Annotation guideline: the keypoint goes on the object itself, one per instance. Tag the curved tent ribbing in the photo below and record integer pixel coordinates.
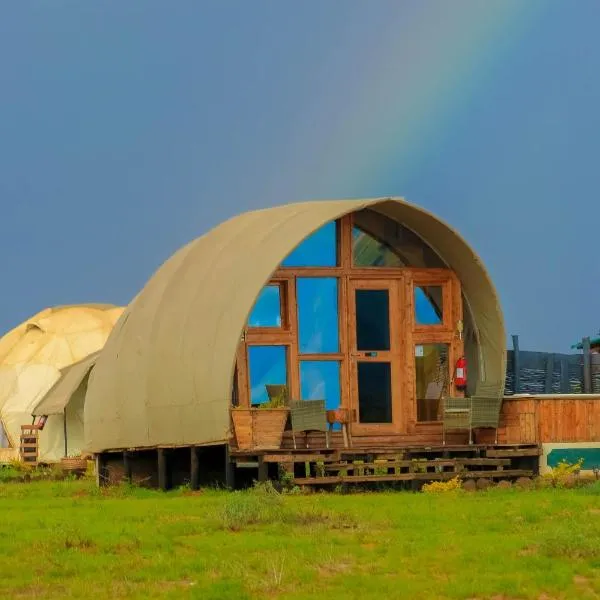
(165, 374)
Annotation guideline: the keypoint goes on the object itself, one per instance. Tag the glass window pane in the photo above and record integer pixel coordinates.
(318, 250)
(267, 366)
(370, 252)
(372, 320)
(318, 328)
(267, 308)
(429, 305)
(432, 374)
(374, 392)
(320, 380)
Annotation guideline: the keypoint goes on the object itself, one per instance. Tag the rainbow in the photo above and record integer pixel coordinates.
(407, 90)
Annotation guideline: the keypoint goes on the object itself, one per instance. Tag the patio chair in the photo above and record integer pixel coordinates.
(486, 406)
(481, 410)
(456, 415)
(308, 415)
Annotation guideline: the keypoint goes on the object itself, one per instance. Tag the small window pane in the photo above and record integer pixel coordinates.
(432, 373)
(429, 305)
(372, 320)
(370, 252)
(374, 392)
(318, 327)
(318, 250)
(267, 366)
(267, 308)
(320, 380)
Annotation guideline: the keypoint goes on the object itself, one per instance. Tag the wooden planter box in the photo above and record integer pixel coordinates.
(259, 427)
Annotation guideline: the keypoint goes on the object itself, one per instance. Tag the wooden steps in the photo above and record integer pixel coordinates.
(29, 444)
(332, 466)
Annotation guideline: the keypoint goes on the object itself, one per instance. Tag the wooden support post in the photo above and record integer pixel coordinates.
(565, 384)
(263, 469)
(101, 474)
(229, 470)
(549, 373)
(127, 466)
(194, 468)
(65, 432)
(162, 469)
(587, 366)
(516, 365)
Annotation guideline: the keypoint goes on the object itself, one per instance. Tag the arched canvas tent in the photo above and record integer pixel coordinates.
(165, 375)
(33, 357)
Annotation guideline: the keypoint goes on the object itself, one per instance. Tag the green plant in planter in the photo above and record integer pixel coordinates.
(277, 402)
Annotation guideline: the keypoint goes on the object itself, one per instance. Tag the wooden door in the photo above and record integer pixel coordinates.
(374, 341)
(434, 313)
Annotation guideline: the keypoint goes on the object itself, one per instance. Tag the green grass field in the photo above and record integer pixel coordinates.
(70, 540)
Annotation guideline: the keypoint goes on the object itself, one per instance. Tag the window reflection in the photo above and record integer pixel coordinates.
(267, 308)
(370, 252)
(372, 320)
(267, 366)
(429, 305)
(320, 380)
(375, 392)
(432, 375)
(318, 250)
(317, 299)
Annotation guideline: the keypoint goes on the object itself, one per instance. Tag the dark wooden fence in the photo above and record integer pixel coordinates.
(546, 373)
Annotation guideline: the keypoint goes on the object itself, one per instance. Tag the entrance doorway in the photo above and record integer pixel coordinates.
(404, 338)
(374, 339)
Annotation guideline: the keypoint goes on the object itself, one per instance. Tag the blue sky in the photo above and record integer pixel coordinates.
(129, 128)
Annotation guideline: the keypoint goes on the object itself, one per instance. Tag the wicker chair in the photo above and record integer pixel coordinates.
(480, 410)
(456, 414)
(486, 406)
(308, 415)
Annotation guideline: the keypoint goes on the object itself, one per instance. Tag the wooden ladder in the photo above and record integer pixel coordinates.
(29, 446)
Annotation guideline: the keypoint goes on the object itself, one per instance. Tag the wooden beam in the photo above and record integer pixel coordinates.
(516, 365)
(493, 453)
(162, 469)
(101, 478)
(229, 470)
(194, 469)
(263, 471)
(587, 366)
(127, 466)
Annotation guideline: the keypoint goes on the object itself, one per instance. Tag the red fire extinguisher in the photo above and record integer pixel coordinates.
(460, 375)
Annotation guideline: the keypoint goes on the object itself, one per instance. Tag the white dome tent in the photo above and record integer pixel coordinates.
(33, 358)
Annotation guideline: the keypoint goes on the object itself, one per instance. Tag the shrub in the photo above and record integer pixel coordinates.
(563, 474)
(435, 487)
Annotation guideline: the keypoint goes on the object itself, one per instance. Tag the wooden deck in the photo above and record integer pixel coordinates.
(417, 463)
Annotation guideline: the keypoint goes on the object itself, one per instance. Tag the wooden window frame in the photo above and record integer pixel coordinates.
(412, 334)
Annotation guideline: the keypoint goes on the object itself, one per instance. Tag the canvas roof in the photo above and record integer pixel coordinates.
(59, 395)
(165, 374)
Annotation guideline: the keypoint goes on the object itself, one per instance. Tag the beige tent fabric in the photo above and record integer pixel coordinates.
(60, 394)
(165, 374)
(32, 357)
